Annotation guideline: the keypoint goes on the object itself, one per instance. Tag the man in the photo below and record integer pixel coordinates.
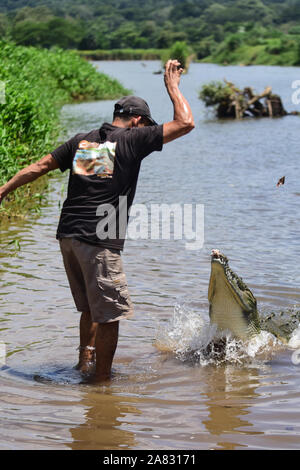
(104, 166)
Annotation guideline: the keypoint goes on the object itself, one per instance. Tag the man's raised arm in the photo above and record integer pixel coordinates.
(28, 174)
(183, 121)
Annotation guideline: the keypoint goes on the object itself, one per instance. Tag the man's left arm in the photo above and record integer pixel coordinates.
(29, 174)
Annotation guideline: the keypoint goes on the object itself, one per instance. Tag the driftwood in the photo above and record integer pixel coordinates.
(232, 102)
(245, 103)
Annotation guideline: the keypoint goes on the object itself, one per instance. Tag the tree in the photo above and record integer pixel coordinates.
(58, 32)
(37, 14)
(4, 26)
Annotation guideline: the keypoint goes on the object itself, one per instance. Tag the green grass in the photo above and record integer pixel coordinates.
(37, 83)
(283, 50)
(123, 54)
(264, 53)
(181, 52)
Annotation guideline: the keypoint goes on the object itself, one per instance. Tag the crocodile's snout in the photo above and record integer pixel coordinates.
(215, 254)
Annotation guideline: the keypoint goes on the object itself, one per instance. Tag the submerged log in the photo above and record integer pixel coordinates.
(231, 102)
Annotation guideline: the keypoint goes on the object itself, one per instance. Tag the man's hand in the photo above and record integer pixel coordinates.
(172, 74)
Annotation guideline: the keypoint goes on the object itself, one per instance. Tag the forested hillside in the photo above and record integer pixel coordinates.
(214, 29)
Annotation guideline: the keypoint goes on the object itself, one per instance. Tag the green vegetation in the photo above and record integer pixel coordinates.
(37, 83)
(180, 51)
(123, 54)
(214, 93)
(258, 46)
(223, 31)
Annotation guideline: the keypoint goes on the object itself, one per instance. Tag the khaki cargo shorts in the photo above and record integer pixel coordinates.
(97, 280)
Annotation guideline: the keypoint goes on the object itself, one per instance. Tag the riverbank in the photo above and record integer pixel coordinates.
(36, 83)
(252, 55)
(245, 54)
(123, 54)
(244, 47)
(240, 49)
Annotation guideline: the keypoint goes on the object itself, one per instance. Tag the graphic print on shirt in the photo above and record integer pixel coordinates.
(92, 158)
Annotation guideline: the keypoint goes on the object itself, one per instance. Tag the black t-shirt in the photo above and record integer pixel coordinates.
(104, 166)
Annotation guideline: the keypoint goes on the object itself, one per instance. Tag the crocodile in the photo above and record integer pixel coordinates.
(232, 306)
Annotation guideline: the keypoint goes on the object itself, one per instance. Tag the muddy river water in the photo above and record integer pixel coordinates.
(158, 399)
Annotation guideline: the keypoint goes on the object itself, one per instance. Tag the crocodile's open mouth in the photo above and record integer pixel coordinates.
(227, 276)
(232, 305)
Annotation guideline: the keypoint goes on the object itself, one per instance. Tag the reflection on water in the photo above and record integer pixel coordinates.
(229, 404)
(157, 400)
(106, 418)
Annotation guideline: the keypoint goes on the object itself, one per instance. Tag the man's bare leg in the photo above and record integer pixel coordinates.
(106, 344)
(88, 330)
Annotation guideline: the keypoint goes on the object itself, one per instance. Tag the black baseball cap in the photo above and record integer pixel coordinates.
(133, 105)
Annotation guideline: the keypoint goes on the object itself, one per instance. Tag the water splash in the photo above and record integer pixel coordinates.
(191, 337)
(294, 341)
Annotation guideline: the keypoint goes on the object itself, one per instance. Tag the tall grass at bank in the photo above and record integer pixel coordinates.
(181, 51)
(247, 49)
(37, 83)
(123, 54)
